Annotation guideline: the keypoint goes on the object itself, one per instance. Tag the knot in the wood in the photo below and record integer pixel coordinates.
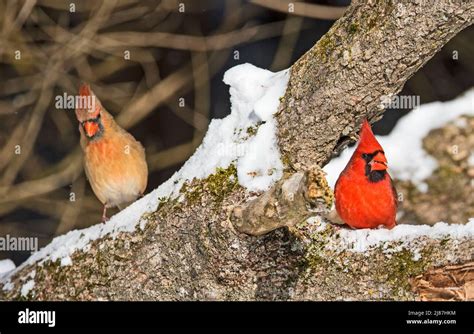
(290, 201)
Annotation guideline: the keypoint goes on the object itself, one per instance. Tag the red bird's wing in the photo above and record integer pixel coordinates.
(394, 191)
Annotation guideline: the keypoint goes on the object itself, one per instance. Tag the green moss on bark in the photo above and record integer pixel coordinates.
(218, 185)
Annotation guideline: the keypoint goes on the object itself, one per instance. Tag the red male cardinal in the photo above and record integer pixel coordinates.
(365, 195)
(113, 160)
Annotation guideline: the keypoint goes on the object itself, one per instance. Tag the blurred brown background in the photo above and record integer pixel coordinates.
(144, 60)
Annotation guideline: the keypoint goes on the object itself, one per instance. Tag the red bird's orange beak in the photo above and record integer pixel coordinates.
(378, 162)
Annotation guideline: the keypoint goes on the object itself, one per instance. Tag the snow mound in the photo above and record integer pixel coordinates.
(362, 240)
(6, 266)
(254, 96)
(407, 160)
(365, 239)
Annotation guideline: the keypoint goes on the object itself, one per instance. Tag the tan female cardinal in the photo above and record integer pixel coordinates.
(365, 195)
(113, 160)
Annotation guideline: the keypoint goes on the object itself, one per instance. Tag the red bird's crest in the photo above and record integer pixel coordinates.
(367, 141)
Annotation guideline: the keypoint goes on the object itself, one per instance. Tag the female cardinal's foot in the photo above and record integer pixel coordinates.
(104, 216)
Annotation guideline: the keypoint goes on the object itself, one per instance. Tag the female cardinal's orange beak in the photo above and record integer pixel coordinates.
(378, 162)
(91, 128)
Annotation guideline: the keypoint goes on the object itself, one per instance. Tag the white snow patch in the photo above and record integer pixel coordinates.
(259, 166)
(416, 255)
(407, 160)
(66, 261)
(8, 286)
(26, 288)
(422, 187)
(255, 95)
(470, 159)
(366, 239)
(6, 266)
(460, 122)
(317, 221)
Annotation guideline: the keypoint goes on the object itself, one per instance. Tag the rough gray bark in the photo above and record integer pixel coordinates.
(193, 249)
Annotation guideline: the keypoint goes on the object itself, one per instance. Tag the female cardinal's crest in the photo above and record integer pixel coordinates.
(87, 105)
(88, 112)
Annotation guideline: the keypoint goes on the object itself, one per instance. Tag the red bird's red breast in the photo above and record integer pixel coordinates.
(365, 196)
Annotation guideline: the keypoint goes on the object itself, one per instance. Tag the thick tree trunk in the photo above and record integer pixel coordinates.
(202, 247)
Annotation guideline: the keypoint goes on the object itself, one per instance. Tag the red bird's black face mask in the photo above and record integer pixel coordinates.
(375, 165)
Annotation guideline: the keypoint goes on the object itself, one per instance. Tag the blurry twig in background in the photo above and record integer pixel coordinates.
(303, 9)
(189, 42)
(71, 212)
(67, 170)
(287, 42)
